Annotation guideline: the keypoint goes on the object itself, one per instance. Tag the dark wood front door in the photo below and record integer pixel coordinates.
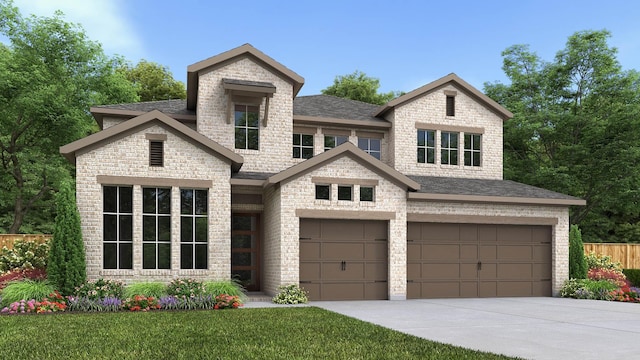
(245, 249)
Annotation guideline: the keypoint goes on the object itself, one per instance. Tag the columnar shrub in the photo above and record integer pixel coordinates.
(67, 269)
(577, 263)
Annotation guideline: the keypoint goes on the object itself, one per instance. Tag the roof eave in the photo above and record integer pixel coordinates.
(317, 120)
(495, 199)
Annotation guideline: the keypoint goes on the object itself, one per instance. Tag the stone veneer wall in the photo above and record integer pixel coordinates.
(560, 231)
(274, 152)
(128, 157)
(272, 244)
(431, 109)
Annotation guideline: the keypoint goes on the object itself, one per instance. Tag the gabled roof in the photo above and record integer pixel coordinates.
(176, 108)
(352, 151)
(322, 109)
(487, 190)
(221, 59)
(144, 121)
(434, 85)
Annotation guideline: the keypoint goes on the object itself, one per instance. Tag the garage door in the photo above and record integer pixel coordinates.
(343, 259)
(477, 260)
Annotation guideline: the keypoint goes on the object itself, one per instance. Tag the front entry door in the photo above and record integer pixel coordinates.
(245, 249)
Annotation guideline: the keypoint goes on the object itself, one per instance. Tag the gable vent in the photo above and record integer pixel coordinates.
(156, 153)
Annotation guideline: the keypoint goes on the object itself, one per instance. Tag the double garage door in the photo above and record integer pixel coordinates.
(476, 260)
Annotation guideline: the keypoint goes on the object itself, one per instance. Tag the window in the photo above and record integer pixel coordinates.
(449, 148)
(247, 126)
(194, 228)
(323, 192)
(117, 236)
(451, 105)
(472, 149)
(366, 193)
(331, 141)
(156, 228)
(156, 153)
(302, 146)
(426, 146)
(370, 146)
(345, 192)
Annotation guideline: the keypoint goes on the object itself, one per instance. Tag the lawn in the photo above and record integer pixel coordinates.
(270, 333)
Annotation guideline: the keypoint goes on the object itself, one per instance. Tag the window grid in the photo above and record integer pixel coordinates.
(302, 146)
(472, 149)
(426, 146)
(370, 146)
(449, 148)
(331, 141)
(156, 228)
(194, 227)
(247, 127)
(117, 252)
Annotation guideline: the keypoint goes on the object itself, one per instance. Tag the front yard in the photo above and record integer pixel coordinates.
(271, 333)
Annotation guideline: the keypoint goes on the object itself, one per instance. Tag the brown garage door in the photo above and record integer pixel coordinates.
(343, 259)
(469, 260)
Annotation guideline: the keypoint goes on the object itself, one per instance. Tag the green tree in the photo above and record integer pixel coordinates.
(359, 86)
(153, 81)
(577, 263)
(576, 130)
(50, 74)
(66, 268)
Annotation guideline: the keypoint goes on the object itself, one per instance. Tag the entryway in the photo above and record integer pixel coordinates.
(245, 249)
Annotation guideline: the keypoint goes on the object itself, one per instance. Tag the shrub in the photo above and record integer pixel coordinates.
(25, 255)
(290, 294)
(577, 263)
(172, 302)
(155, 289)
(588, 289)
(15, 275)
(87, 304)
(229, 287)
(225, 301)
(141, 303)
(26, 289)
(66, 268)
(614, 276)
(602, 262)
(100, 289)
(185, 288)
(633, 275)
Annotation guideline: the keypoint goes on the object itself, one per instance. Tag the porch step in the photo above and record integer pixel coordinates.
(258, 297)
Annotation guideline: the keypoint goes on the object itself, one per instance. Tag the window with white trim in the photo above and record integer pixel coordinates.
(449, 148)
(117, 227)
(247, 126)
(302, 146)
(194, 228)
(156, 228)
(426, 146)
(472, 149)
(370, 146)
(331, 141)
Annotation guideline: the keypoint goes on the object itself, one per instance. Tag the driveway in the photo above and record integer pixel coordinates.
(531, 328)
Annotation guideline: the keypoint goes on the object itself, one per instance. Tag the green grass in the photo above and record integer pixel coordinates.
(25, 289)
(228, 287)
(155, 289)
(270, 333)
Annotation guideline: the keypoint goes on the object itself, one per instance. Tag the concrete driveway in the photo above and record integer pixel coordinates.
(531, 328)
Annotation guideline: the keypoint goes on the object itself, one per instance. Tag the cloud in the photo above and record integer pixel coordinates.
(104, 21)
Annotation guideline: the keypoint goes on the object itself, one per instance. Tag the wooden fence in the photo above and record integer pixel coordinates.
(8, 239)
(626, 254)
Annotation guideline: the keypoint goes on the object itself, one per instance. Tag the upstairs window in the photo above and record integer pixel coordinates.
(345, 192)
(370, 146)
(472, 149)
(323, 192)
(367, 193)
(331, 141)
(449, 148)
(302, 146)
(426, 146)
(451, 105)
(247, 126)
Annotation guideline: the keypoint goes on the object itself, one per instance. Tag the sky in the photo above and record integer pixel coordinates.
(405, 44)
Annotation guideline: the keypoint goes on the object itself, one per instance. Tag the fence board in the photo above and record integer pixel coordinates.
(626, 254)
(8, 239)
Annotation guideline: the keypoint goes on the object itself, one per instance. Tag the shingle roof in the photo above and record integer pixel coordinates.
(249, 175)
(334, 107)
(178, 106)
(248, 83)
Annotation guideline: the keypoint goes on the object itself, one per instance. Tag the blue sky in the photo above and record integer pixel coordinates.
(405, 44)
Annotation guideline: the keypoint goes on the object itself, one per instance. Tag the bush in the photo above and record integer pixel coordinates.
(100, 289)
(633, 275)
(172, 302)
(26, 290)
(99, 305)
(225, 301)
(602, 262)
(141, 303)
(15, 275)
(185, 288)
(155, 289)
(291, 294)
(25, 255)
(588, 289)
(228, 287)
(614, 276)
(577, 263)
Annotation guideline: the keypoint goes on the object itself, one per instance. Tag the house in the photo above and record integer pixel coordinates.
(350, 200)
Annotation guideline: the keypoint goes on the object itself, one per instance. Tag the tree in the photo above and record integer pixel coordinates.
(577, 263)
(50, 74)
(153, 81)
(359, 86)
(66, 267)
(576, 130)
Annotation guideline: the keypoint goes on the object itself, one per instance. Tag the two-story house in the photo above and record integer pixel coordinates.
(350, 200)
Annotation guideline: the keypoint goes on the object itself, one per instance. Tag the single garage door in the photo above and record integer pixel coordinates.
(343, 259)
(477, 260)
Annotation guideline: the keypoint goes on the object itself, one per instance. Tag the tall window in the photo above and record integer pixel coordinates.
(117, 224)
(472, 149)
(331, 141)
(426, 146)
(370, 146)
(193, 229)
(302, 146)
(156, 228)
(449, 148)
(247, 126)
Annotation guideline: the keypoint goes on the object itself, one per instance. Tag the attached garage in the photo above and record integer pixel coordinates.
(344, 259)
(477, 260)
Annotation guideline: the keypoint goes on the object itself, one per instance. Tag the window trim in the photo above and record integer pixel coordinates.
(156, 242)
(368, 149)
(350, 188)
(373, 193)
(301, 146)
(470, 151)
(118, 241)
(246, 128)
(426, 147)
(193, 241)
(335, 141)
(318, 186)
(450, 149)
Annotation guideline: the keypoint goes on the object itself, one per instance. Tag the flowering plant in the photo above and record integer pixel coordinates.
(224, 301)
(20, 307)
(615, 276)
(24, 255)
(141, 303)
(291, 294)
(53, 303)
(100, 289)
(185, 288)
